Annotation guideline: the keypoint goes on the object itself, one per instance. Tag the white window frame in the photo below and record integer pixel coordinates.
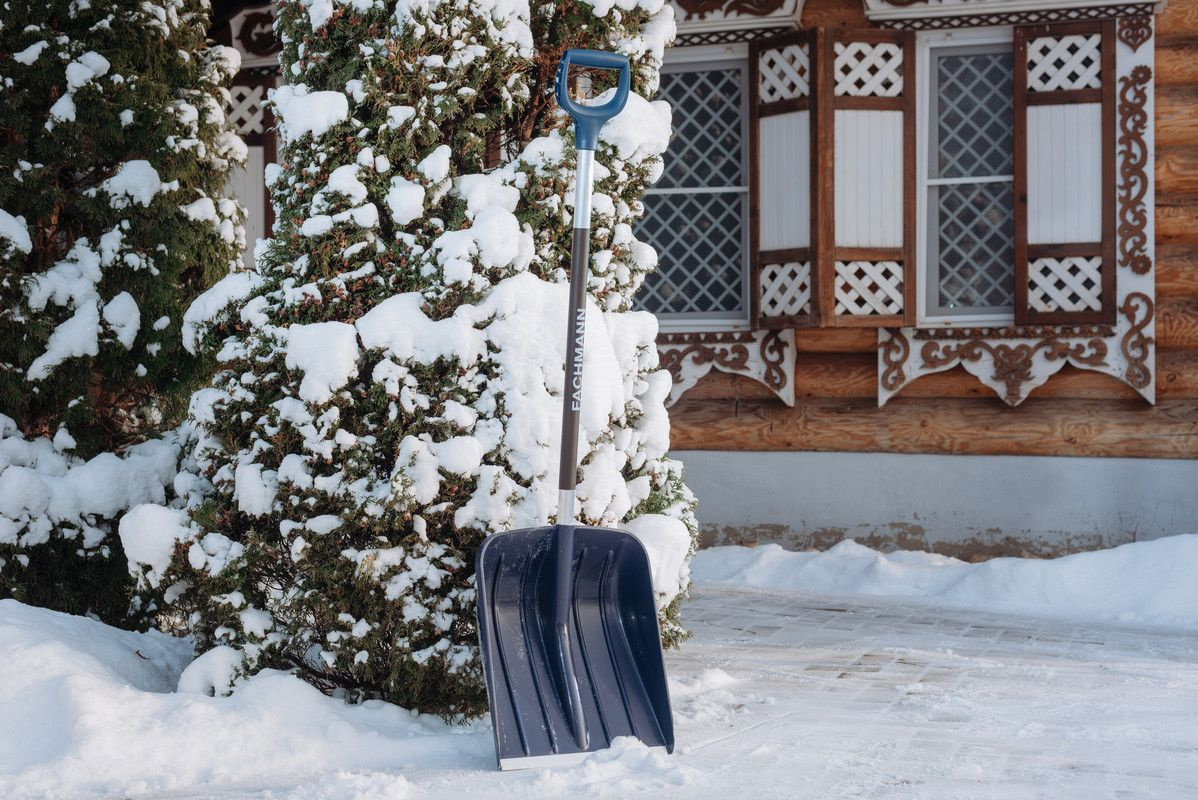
(925, 43)
(679, 59)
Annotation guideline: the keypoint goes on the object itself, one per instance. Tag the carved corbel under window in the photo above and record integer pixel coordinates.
(765, 356)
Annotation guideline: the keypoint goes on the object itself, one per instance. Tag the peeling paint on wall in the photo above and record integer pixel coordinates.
(991, 543)
(967, 507)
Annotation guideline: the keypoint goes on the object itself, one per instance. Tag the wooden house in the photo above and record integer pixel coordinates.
(928, 268)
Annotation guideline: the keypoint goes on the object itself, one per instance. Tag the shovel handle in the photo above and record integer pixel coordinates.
(589, 119)
(587, 122)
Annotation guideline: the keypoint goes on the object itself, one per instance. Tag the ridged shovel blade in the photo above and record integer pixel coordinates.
(615, 645)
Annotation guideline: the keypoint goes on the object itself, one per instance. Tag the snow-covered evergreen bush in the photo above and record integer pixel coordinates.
(391, 373)
(114, 152)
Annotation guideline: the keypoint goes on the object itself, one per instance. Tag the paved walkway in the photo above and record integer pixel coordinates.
(805, 698)
(857, 699)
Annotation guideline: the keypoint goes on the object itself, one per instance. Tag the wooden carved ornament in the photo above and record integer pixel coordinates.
(1133, 172)
(1014, 362)
(1139, 310)
(697, 9)
(257, 34)
(1134, 31)
(766, 356)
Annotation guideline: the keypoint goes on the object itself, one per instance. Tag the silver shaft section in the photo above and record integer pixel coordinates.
(565, 507)
(583, 176)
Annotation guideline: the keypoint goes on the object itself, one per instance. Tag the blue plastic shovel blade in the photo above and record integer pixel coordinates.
(615, 646)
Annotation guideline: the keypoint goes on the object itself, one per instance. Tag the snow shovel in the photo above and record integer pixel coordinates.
(567, 623)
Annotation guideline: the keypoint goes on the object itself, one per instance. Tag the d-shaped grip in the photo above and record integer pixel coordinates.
(589, 119)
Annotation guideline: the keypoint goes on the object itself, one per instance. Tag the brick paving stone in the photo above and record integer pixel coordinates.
(881, 699)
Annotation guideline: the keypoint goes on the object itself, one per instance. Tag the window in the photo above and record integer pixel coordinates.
(966, 169)
(993, 178)
(696, 215)
(959, 177)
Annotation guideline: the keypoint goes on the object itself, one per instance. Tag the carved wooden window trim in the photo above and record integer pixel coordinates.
(251, 32)
(708, 16)
(937, 14)
(690, 349)
(1119, 340)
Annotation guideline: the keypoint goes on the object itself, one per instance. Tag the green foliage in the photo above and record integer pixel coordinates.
(328, 537)
(57, 577)
(91, 305)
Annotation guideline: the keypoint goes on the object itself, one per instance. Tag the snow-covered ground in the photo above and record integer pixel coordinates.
(792, 690)
(1153, 583)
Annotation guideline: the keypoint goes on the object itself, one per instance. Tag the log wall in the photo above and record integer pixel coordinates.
(1075, 413)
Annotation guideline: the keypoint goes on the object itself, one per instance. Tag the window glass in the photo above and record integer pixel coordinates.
(696, 214)
(970, 203)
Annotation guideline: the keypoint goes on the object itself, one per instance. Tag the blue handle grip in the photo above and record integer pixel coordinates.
(589, 119)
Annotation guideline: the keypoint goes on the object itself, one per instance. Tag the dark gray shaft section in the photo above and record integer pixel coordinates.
(563, 588)
(576, 323)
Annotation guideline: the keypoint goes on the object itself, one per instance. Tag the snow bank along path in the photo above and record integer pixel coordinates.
(91, 711)
(1144, 583)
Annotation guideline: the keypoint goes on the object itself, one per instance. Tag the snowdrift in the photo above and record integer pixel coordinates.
(1144, 583)
(92, 711)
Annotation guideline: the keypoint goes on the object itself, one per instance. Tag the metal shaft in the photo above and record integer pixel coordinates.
(576, 322)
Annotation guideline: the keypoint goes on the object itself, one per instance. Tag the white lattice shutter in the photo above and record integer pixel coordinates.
(253, 121)
(1064, 118)
(866, 225)
(781, 78)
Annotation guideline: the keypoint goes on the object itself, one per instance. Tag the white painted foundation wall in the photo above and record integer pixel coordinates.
(966, 506)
